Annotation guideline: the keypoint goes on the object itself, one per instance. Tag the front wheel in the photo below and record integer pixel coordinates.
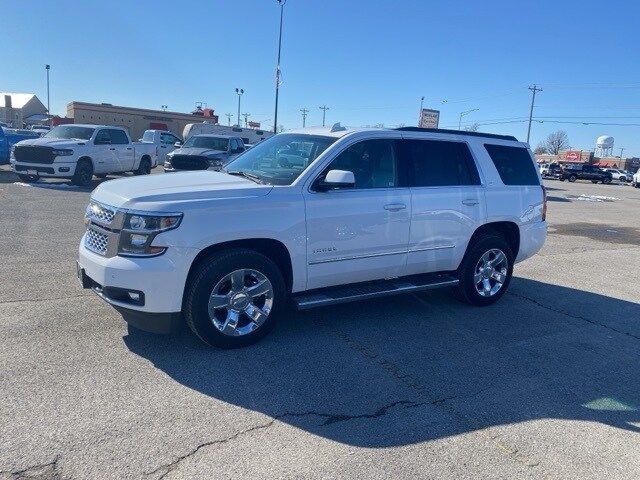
(485, 272)
(572, 178)
(606, 180)
(83, 174)
(233, 298)
(144, 168)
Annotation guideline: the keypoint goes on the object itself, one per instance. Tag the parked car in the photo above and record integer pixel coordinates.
(584, 172)
(164, 141)
(358, 218)
(203, 152)
(79, 152)
(619, 175)
(550, 170)
(8, 138)
(40, 129)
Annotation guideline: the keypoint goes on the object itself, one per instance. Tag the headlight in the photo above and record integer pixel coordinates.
(63, 152)
(139, 231)
(12, 153)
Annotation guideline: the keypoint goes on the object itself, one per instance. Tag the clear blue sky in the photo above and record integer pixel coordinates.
(370, 61)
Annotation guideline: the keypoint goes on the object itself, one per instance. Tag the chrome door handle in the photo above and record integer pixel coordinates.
(395, 207)
(470, 202)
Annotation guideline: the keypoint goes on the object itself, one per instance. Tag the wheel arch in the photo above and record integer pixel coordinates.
(509, 230)
(273, 249)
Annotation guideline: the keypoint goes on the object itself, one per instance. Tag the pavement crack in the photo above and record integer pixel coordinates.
(48, 471)
(574, 316)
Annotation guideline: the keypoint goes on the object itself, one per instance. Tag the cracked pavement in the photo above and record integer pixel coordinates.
(542, 385)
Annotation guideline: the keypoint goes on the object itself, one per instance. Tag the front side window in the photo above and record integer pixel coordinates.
(102, 137)
(373, 163)
(437, 163)
(280, 159)
(514, 164)
(118, 137)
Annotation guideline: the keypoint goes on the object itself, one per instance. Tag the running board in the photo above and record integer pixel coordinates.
(366, 290)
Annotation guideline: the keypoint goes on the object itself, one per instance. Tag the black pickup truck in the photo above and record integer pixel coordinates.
(584, 172)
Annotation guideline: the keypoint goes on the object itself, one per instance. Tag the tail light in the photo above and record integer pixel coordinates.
(544, 203)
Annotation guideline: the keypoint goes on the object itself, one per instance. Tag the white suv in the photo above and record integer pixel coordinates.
(310, 218)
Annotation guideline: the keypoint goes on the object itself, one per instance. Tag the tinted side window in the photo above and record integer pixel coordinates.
(167, 138)
(514, 164)
(373, 163)
(118, 137)
(434, 163)
(102, 137)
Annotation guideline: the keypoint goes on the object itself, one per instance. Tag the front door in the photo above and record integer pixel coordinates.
(360, 233)
(125, 155)
(447, 200)
(104, 154)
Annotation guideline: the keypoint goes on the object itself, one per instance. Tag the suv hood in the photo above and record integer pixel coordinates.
(197, 151)
(53, 142)
(161, 192)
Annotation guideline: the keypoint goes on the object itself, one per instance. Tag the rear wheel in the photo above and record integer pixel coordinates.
(144, 168)
(606, 180)
(83, 174)
(594, 181)
(572, 178)
(485, 272)
(234, 298)
(28, 178)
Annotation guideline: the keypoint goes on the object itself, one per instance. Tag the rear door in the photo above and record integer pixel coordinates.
(359, 233)
(124, 150)
(447, 202)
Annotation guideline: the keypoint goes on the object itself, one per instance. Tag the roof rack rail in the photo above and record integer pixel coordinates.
(457, 132)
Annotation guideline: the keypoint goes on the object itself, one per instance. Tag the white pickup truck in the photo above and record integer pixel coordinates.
(165, 142)
(353, 214)
(79, 152)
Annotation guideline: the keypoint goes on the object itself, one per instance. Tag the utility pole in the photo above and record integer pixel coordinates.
(47, 68)
(621, 150)
(304, 116)
(246, 119)
(239, 91)
(534, 89)
(462, 114)
(420, 112)
(229, 115)
(275, 117)
(324, 109)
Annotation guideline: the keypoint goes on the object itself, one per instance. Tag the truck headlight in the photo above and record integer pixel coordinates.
(139, 231)
(62, 152)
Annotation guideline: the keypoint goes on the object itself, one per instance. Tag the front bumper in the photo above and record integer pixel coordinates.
(160, 280)
(50, 170)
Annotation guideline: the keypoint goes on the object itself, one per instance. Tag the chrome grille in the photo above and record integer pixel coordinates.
(96, 241)
(100, 213)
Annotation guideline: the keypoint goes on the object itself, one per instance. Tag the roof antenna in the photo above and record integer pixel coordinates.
(337, 128)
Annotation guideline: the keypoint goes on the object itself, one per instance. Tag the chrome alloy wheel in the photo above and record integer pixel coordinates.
(491, 272)
(241, 302)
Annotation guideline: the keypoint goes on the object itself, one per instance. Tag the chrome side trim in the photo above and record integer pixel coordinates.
(319, 299)
(373, 255)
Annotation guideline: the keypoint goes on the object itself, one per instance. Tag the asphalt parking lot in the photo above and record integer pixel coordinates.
(543, 384)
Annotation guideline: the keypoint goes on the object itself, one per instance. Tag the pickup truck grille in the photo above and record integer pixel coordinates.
(96, 242)
(32, 154)
(189, 162)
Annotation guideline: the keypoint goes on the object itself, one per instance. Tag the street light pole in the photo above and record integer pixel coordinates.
(229, 115)
(304, 112)
(239, 91)
(47, 68)
(462, 114)
(275, 116)
(246, 117)
(420, 112)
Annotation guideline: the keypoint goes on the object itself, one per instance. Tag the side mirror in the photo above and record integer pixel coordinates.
(177, 144)
(337, 179)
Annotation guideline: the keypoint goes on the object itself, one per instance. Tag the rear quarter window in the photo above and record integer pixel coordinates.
(514, 164)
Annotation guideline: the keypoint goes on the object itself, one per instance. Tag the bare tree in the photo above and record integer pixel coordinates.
(556, 141)
(473, 127)
(541, 148)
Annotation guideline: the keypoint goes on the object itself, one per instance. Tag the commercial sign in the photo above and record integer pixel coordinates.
(573, 155)
(429, 118)
(254, 124)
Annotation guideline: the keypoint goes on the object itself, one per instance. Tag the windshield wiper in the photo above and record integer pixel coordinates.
(250, 176)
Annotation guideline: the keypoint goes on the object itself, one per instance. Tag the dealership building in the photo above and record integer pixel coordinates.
(136, 120)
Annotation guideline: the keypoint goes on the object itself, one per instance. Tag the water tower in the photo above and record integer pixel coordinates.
(604, 146)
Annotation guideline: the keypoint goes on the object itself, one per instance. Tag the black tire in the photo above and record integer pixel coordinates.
(28, 178)
(83, 174)
(206, 276)
(144, 168)
(101, 176)
(606, 180)
(466, 289)
(572, 178)
(594, 181)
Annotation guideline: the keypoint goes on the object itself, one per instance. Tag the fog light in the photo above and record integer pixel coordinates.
(138, 240)
(135, 296)
(63, 169)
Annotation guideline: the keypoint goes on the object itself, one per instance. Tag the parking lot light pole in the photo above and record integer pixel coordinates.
(47, 68)
(462, 114)
(239, 91)
(275, 117)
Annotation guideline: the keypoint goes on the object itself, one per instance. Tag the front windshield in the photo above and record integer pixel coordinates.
(70, 131)
(213, 143)
(280, 159)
